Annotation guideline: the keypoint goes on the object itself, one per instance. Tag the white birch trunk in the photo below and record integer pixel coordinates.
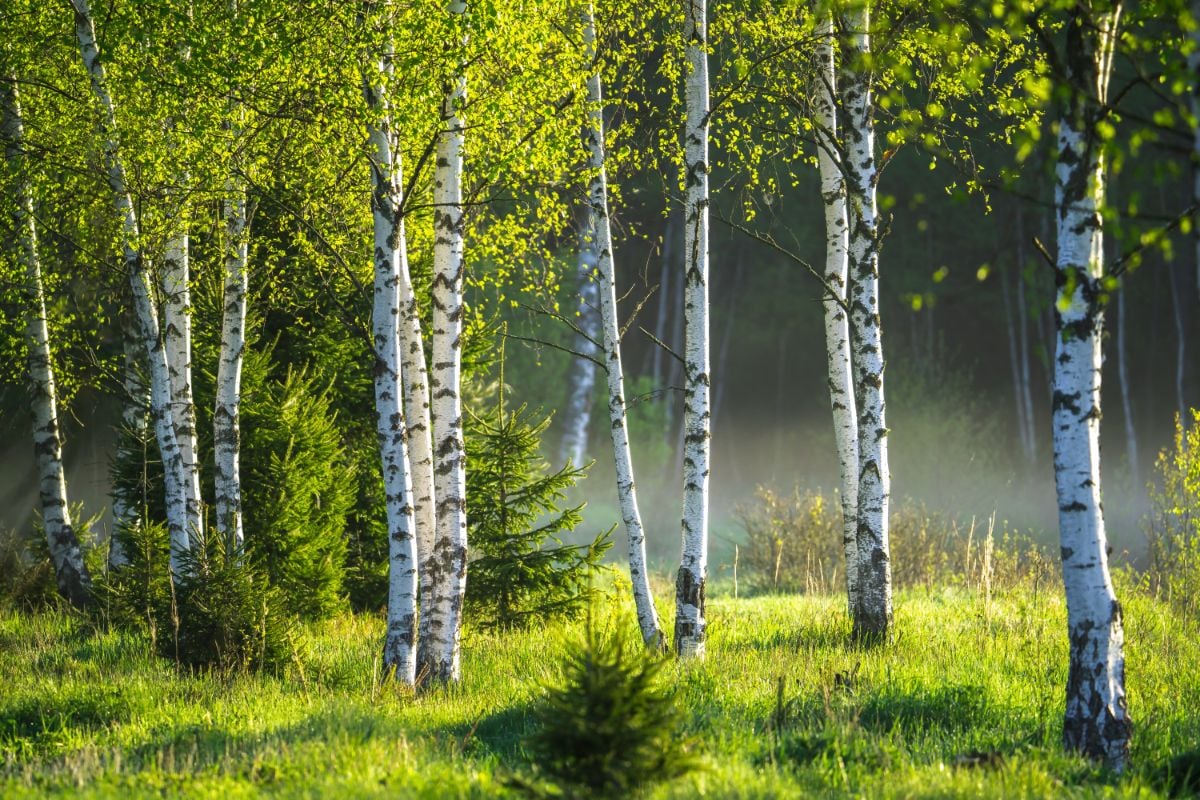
(142, 286)
(177, 335)
(690, 623)
(1096, 723)
(448, 568)
(639, 576)
(581, 377)
(399, 650)
(837, 322)
(227, 434)
(873, 610)
(70, 572)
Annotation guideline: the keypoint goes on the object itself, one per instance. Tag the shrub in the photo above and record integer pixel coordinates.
(223, 614)
(522, 572)
(794, 543)
(1173, 527)
(611, 728)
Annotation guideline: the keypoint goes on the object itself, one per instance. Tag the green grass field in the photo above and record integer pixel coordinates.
(966, 703)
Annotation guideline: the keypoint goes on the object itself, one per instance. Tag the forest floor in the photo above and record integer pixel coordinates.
(966, 702)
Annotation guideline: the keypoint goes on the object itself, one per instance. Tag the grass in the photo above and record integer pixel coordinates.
(966, 703)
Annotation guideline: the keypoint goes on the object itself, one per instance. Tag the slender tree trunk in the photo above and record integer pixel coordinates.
(449, 557)
(873, 611)
(399, 650)
(837, 322)
(734, 293)
(1131, 445)
(1014, 361)
(662, 317)
(581, 377)
(639, 576)
(227, 435)
(1096, 722)
(70, 571)
(142, 284)
(690, 623)
(1173, 284)
(177, 336)
(1023, 340)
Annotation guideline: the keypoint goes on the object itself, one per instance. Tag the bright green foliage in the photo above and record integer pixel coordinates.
(1174, 522)
(521, 573)
(612, 727)
(298, 488)
(91, 713)
(223, 614)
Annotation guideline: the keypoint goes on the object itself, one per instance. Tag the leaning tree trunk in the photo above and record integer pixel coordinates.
(399, 649)
(690, 624)
(1096, 722)
(449, 556)
(581, 377)
(177, 336)
(837, 322)
(141, 283)
(639, 576)
(873, 610)
(70, 571)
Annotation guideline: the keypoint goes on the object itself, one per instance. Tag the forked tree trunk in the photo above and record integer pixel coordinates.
(142, 285)
(837, 321)
(652, 633)
(227, 434)
(70, 572)
(449, 558)
(690, 622)
(1096, 722)
(399, 649)
(873, 609)
(581, 377)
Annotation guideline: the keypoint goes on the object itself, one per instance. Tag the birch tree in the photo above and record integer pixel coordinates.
(837, 322)
(652, 633)
(400, 653)
(690, 623)
(873, 607)
(1096, 722)
(449, 554)
(142, 285)
(70, 572)
(581, 376)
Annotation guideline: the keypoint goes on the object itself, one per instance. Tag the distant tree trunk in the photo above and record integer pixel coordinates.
(873, 611)
(177, 336)
(690, 623)
(135, 408)
(1096, 722)
(732, 297)
(142, 284)
(662, 317)
(227, 435)
(837, 322)
(1131, 445)
(581, 377)
(1193, 61)
(1173, 284)
(449, 557)
(399, 650)
(1023, 340)
(1014, 360)
(70, 572)
(639, 575)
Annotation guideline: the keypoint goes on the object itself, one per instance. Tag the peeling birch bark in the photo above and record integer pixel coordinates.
(448, 567)
(873, 609)
(1096, 722)
(70, 572)
(177, 341)
(837, 321)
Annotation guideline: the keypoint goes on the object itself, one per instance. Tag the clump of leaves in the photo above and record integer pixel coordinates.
(611, 728)
(523, 572)
(1174, 523)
